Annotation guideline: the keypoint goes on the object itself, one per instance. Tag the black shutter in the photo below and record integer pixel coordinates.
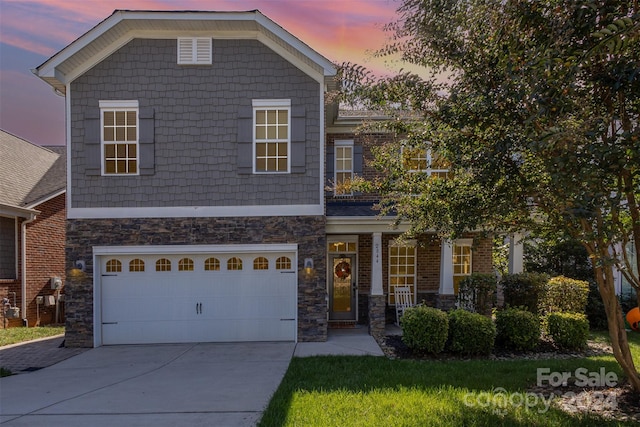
(357, 163)
(146, 141)
(93, 155)
(245, 140)
(298, 139)
(329, 169)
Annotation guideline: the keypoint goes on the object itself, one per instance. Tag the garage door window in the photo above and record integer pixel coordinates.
(261, 263)
(212, 264)
(234, 264)
(185, 264)
(136, 265)
(163, 264)
(283, 263)
(114, 266)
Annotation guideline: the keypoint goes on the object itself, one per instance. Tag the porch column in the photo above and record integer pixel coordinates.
(377, 301)
(446, 296)
(516, 253)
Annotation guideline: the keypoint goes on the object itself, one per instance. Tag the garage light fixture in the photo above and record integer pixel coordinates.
(309, 271)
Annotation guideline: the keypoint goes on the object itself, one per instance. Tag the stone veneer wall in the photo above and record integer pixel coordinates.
(83, 234)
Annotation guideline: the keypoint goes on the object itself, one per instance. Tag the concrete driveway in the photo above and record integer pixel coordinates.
(159, 385)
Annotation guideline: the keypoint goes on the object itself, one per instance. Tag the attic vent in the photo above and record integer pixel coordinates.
(194, 50)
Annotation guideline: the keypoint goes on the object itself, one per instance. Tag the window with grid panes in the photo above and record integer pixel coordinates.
(119, 140)
(271, 136)
(402, 269)
(461, 264)
(424, 160)
(343, 168)
(136, 265)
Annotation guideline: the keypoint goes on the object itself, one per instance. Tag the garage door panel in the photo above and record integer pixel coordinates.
(201, 305)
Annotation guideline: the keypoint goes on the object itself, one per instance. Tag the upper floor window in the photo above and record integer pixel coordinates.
(271, 135)
(119, 137)
(424, 160)
(344, 167)
(194, 50)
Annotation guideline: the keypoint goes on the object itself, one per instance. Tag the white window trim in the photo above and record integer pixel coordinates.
(194, 51)
(342, 143)
(127, 105)
(408, 243)
(280, 104)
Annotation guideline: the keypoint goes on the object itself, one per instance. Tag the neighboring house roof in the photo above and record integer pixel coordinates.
(125, 25)
(30, 174)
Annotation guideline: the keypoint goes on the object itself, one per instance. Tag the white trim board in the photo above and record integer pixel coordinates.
(196, 211)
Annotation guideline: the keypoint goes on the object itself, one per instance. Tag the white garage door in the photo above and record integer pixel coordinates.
(198, 297)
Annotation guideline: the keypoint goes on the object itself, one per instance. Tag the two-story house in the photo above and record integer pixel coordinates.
(199, 148)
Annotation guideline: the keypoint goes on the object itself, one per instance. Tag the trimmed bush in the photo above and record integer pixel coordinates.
(562, 294)
(425, 329)
(523, 290)
(517, 329)
(568, 330)
(478, 293)
(470, 333)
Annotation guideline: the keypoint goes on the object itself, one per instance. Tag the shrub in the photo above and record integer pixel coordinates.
(523, 289)
(517, 329)
(562, 294)
(478, 293)
(470, 333)
(568, 330)
(424, 329)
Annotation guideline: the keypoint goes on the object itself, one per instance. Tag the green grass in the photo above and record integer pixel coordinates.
(16, 335)
(375, 391)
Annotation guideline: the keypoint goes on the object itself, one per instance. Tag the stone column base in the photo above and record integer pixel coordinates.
(377, 305)
(446, 302)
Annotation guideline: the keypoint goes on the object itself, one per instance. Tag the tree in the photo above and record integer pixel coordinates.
(535, 107)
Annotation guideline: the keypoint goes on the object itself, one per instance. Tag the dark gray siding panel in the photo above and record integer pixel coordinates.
(197, 154)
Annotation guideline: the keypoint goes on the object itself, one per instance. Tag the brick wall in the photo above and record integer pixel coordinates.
(45, 259)
(307, 232)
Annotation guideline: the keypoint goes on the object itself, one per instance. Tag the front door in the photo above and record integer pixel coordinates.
(342, 288)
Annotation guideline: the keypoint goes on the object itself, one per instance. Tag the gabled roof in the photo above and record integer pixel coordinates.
(124, 25)
(30, 174)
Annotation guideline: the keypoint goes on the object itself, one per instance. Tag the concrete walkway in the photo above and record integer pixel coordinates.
(344, 342)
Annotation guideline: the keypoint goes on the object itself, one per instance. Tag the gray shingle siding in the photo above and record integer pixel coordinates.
(195, 115)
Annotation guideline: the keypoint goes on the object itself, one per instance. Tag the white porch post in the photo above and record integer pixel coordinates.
(376, 264)
(446, 268)
(516, 253)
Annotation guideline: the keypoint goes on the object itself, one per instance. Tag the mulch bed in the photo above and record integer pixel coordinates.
(616, 403)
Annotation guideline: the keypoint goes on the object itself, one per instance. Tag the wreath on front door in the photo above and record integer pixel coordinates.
(343, 270)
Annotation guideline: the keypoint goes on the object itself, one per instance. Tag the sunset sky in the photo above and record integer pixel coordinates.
(31, 31)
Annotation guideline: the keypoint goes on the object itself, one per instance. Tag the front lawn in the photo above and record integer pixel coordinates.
(376, 391)
(16, 335)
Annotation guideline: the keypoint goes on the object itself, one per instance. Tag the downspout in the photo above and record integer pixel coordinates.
(25, 322)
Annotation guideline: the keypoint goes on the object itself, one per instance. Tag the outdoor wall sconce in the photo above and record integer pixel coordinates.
(309, 271)
(78, 269)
